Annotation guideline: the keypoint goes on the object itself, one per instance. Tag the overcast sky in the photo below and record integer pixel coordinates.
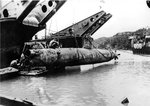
(128, 15)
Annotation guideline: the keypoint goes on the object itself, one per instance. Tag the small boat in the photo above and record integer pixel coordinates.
(140, 44)
(8, 72)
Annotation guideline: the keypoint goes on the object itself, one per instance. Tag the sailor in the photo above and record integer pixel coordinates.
(54, 44)
(71, 31)
(14, 63)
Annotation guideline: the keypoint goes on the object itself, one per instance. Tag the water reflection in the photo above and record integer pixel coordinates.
(35, 83)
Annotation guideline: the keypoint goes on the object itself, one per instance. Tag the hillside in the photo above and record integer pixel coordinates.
(119, 40)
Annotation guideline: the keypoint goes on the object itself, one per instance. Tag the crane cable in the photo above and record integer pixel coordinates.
(99, 51)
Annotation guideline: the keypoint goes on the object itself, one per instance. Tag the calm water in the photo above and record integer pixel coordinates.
(106, 85)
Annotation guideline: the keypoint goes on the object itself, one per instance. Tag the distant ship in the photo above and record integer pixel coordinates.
(20, 20)
(140, 44)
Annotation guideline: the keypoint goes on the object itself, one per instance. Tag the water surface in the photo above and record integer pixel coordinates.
(106, 85)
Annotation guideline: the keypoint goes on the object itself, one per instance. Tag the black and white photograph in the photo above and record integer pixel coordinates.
(74, 52)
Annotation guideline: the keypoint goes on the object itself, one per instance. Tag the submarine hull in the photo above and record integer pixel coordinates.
(62, 57)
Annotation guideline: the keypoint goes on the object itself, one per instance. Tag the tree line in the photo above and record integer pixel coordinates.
(119, 40)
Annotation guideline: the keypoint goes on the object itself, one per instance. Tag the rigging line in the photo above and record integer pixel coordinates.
(73, 20)
(76, 42)
(50, 26)
(56, 24)
(73, 15)
(96, 49)
(78, 54)
(96, 43)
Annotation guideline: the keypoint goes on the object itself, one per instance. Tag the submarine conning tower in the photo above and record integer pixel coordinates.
(20, 20)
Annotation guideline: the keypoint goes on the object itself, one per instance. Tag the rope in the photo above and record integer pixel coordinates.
(76, 42)
(98, 50)
(77, 47)
(50, 26)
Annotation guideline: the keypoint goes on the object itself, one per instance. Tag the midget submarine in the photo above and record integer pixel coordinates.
(69, 47)
(62, 57)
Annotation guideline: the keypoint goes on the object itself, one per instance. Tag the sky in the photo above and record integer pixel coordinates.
(127, 15)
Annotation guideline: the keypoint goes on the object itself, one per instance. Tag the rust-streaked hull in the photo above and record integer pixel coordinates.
(62, 57)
